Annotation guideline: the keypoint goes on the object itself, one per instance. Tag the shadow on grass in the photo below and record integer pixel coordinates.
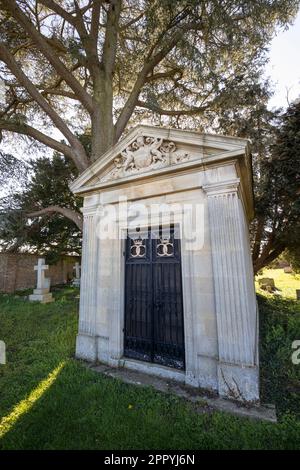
(80, 409)
(84, 410)
(37, 338)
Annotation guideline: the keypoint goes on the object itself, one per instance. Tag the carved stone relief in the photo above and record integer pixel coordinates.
(144, 154)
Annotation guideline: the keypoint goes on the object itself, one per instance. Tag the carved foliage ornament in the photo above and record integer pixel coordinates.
(145, 153)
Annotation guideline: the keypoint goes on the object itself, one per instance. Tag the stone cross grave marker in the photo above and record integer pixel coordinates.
(76, 281)
(41, 267)
(42, 291)
(77, 270)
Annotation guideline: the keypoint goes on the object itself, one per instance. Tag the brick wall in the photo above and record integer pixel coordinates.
(17, 271)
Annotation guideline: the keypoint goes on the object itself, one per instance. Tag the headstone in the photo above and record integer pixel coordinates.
(76, 281)
(288, 269)
(42, 292)
(281, 264)
(267, 283)
(2, 352)
(298, 294)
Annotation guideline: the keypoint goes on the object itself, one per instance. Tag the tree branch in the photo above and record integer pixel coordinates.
(263, 261)
(162, 75)
(111, 37)
(52, 5)
(89, 41)
(173, 112)
(69, 213)
(95, 21)
(102, 122)
(79, 152)
(58, 92)
(151, 61)
(131, 22)
(49, 53)
(30, 131)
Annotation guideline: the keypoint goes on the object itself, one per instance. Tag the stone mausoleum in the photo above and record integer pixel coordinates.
(166, 277)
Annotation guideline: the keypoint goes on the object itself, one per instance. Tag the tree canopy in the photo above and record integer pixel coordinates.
(277, 223)
(276, 162)
(115, 61)
(46, 183)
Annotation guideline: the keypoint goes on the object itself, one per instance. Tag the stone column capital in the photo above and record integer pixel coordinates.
(86, 211)
(222, 187)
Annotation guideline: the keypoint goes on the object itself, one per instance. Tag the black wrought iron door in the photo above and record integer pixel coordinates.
(153, 329)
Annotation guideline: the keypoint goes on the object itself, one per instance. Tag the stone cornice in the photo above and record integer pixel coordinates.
(221, 144)
(204, 163)
(137, 159)
(89, 211)
(223, 187)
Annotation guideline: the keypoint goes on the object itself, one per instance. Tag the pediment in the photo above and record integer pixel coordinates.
(151, 150)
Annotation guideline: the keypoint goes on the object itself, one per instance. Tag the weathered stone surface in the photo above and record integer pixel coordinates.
(86, 347)
(239, 382)
(41, 291)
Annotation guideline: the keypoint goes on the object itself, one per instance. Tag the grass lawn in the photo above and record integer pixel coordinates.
(286, 283)
(49, 400)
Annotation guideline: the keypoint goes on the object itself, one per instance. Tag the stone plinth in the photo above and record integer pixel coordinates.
(41, 295)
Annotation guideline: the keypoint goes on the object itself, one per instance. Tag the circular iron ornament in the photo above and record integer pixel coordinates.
(138, 249)
(165, 247)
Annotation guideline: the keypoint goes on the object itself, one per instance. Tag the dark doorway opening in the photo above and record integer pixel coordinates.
(154, 329)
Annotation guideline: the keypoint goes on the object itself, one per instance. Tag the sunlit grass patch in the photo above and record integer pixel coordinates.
(286, 283)
(47, 405)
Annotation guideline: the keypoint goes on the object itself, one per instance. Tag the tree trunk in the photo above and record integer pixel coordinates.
(266, 258)
(103, 135)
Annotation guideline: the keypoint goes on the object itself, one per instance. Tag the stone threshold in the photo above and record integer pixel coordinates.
(207, 401)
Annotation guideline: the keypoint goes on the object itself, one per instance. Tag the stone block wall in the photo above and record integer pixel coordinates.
(17, 271)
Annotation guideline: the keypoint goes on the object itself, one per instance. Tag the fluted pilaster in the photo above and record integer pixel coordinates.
(233, 276)
(87, 314)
